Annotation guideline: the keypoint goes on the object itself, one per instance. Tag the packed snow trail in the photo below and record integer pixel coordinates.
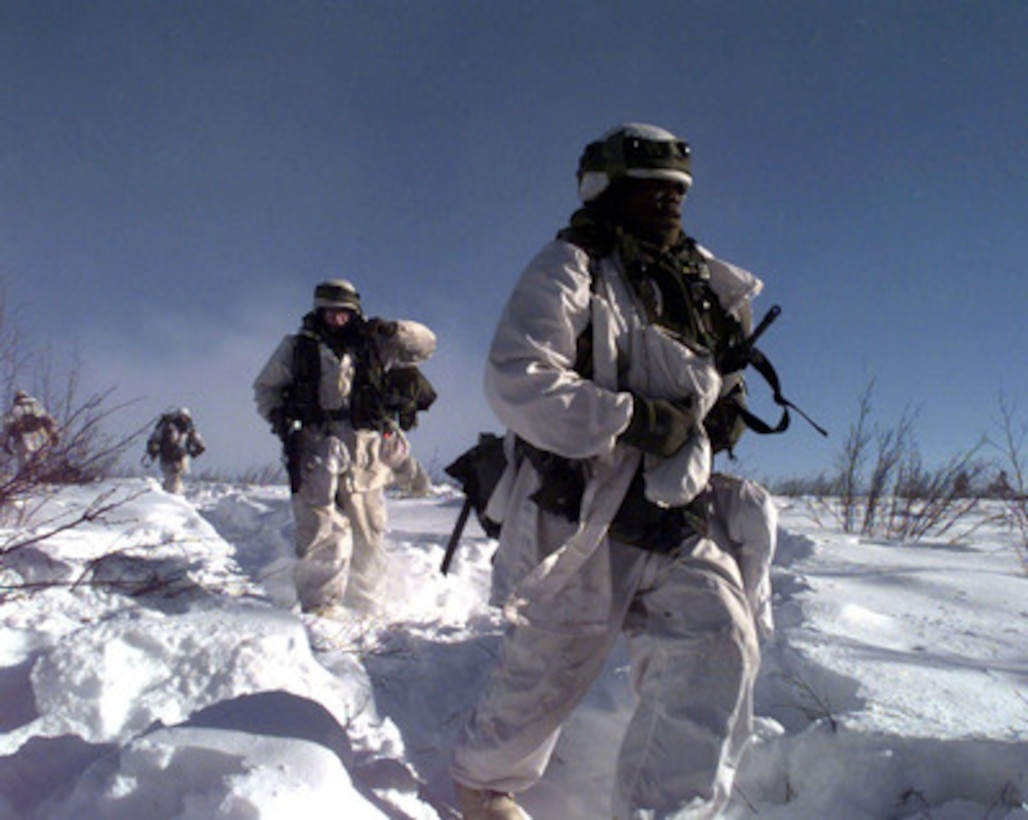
(158, 663)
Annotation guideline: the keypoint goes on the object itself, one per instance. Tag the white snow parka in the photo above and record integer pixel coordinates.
(410, 344)
(542, 573)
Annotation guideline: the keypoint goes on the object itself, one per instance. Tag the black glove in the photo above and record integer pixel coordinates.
(378, 326)
(659, 426)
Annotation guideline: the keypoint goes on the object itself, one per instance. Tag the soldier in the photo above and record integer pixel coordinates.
(28, 429)
(339, 394)
(172, 443)
(616, 368)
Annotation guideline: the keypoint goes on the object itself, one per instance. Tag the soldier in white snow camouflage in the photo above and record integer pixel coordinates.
(339, 394)
(172, 443)
(612, 368)
(27, 429)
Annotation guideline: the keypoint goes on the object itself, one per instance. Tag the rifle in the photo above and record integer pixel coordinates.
(291, 448)
(739, 356)
(478, 471)
(458, 528)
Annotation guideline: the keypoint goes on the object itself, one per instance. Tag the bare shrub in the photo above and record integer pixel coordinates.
(900, 498)
(850, 463)
(1013, 489)
(926, 502)
(821, 484)
(80, 452)
(893, 446)
(257, 476)
(34, 510)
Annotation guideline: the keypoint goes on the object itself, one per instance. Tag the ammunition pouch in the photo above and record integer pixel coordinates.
(300, 403)
(394, 397)
(195, 447)
(647, 526)
(562, 480)
(28, 424)
(406, 392)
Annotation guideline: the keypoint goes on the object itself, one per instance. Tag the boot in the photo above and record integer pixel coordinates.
(485, 804)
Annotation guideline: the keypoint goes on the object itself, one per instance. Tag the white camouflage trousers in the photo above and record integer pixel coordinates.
(171, 474)
(338, 533)
(694, 656)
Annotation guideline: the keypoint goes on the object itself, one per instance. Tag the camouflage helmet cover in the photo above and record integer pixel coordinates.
(634, 150)
(337, 293)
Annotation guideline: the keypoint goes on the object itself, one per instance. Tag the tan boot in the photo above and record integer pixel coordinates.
(485, 804)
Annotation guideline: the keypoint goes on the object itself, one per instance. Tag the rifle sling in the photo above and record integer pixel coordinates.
(763, 366)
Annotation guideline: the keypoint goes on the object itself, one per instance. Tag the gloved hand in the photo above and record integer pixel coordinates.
(659, 426)
(378, 326)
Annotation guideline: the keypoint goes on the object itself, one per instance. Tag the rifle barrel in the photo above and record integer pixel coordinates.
(765, 323)
(458, 529)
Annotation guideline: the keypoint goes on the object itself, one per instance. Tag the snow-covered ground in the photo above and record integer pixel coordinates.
(183, 686)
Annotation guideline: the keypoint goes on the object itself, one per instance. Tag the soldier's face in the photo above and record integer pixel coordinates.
(336, 317)
(653, 209)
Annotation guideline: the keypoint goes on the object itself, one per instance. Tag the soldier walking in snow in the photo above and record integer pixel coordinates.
(172, 443)
(339, 394)
(27, 429)
(616, 367)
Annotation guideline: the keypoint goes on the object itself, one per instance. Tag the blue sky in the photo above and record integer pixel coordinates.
(176, 176)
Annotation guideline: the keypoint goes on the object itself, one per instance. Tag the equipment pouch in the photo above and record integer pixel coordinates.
(478, 471)
(562, 480)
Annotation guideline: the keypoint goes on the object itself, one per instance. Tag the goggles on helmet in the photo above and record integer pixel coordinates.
(627, 153)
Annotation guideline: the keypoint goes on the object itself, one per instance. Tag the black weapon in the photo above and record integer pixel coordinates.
(478, 471)
(458, 528)
(738, 356)
(747, 354)
(765, 323)
(291, 447)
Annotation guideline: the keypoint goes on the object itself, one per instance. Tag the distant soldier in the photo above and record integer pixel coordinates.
(28, 429)
(339, 394)
(172, 443)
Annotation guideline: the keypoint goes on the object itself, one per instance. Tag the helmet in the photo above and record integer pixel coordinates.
(633, 150)
(337, 293)
(20, 395)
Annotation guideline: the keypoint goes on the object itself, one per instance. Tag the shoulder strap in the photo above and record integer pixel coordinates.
(301, 397)
(306, 359)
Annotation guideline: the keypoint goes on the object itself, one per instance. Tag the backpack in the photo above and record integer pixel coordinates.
(173, 443)
(377, 397)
